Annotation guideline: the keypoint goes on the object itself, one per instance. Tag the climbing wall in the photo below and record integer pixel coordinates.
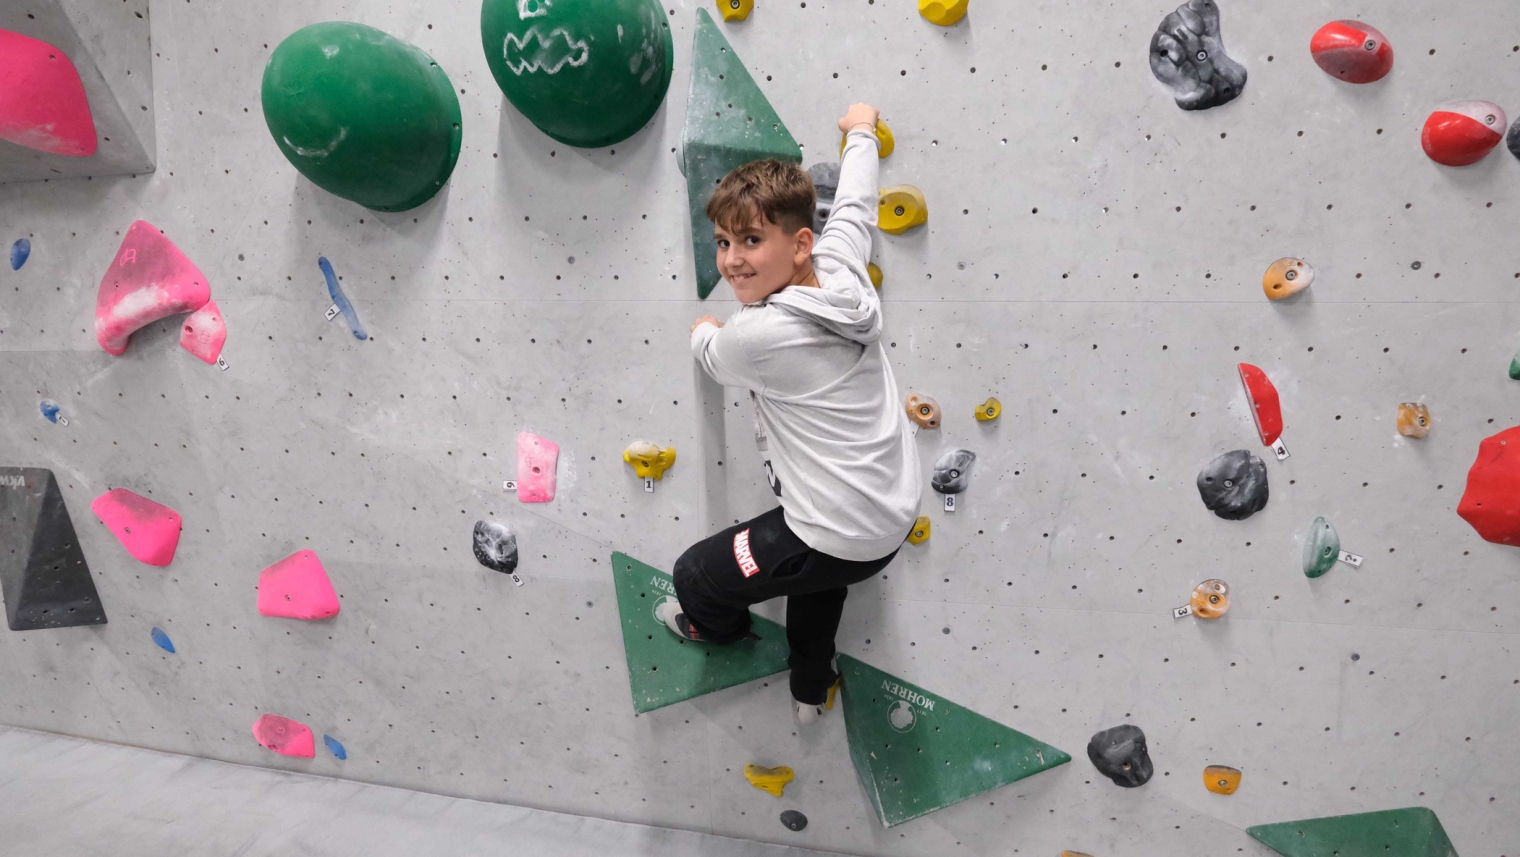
(1093, 258)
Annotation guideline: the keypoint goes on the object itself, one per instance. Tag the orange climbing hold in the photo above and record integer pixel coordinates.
(1211, 599)
(922, 410)
(1414, 420)
(1221, 780)
(1287, 277)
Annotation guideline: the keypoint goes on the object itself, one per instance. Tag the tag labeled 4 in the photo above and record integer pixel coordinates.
(1280, 450)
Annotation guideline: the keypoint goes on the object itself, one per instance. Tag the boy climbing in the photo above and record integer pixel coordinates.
(838, 449)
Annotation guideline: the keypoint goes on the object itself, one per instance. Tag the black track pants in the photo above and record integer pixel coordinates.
(718, 578)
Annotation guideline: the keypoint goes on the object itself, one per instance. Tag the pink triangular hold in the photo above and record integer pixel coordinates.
(297, 587)
(42, 100)
(537, 458)
(148, 530)
(149, 279)
(285, 736)
(204, 332)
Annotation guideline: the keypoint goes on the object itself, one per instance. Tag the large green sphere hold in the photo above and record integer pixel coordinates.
(364, 115)
(587, 72)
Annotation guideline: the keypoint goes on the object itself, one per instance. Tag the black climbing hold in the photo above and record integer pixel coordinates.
(826, 183)
(1187, 54)
(42, 568)
(1234, 485)
(952, 472)
(793, 819)
(1512, 139)
(496, 546)
(1119, 754)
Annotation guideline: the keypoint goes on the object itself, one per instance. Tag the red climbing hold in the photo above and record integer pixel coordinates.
(42, 100)
(1352, 51)
(285, 736)
(1463, 132)
(1264, 404)
(204, 332)
(1491, 502)
(297, 587)
(148, 530)
(150, 279)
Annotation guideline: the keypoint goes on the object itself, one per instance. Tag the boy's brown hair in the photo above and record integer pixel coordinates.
(772, 190)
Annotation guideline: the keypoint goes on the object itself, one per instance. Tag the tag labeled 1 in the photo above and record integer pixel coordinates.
(949, 502)
(1351, 559)
(648, 486)
(1280, 450)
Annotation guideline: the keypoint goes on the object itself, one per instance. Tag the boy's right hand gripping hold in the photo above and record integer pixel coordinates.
(859, 116)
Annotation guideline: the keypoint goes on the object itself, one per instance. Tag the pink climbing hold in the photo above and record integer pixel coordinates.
(204, 333)
(42, 100)
(285, 736)
(150, 279)
(297, 587)
(148, 530)
(536, 460)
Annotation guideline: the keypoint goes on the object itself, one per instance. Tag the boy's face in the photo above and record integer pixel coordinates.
(762, 258)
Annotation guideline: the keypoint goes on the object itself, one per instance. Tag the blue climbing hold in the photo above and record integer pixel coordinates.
(163, 640)
(336, 291)
(334, 746)
(19, 251)
(49, 410)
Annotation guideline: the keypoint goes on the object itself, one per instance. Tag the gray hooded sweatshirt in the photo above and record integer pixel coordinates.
(839, 451)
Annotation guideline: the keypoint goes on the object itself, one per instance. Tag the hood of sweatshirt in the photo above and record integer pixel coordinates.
(838, 305)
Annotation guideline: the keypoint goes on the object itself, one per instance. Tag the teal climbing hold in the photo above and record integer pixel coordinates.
(588, 73)
(729, 122)
(362, 114)
(664, 669)
(1413, 832)
(1514, 367)
(916, 752)
(1322, 547)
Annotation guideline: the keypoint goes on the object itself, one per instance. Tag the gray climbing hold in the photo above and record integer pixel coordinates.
(1187, 54)
(826, 182)
(1512, 140)
(793, 819)
(496, 546)
(1120, 754)
(952, 473)
(1234, 485)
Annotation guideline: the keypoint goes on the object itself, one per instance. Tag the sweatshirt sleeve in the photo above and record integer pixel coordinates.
(847, 236)
(723, 357)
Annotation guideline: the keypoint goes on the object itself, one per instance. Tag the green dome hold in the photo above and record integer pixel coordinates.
(362, 114)
(588, 73)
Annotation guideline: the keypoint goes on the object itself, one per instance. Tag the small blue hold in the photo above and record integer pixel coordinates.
(19, 251)
(163, 640)
(50, 410)
(335, 292)
(334, 746)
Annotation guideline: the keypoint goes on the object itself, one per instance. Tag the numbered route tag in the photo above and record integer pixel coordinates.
(332, 312)
(1351, 559)
(63, 420)
(221, 363)
(517, 580)
(949, 502)
(1184, 610)
(1280, 450)
(648, 486)
(509, 485)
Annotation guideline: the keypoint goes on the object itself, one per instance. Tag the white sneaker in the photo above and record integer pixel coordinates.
(807, 714)
(670, 613)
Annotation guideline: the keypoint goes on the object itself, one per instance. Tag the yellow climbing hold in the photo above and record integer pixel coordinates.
(943, 12)
(886, 142)
(1221, 780)
(875, 274)
(901, 208)
(989, 410)
(735, 10)
(649, 461)
(833, 689)
(920, 532)
(772, 780)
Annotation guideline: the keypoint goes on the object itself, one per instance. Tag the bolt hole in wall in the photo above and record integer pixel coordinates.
(1049, 542)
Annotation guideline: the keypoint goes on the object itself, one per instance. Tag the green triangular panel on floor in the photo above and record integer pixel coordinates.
(1413, 832)
(916, 752)
(664, 669)
(729, 123)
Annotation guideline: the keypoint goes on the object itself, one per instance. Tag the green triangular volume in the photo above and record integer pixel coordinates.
(664, 669)
(916, 752)
(1412, 832)
(729, 123)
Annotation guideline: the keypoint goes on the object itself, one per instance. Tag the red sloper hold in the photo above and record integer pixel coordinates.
(1352, 51)
(1463, 132)
(148, 530)
(285, 736)
(42, 100)
(204, 332)
(1265, 406)
(1491, 502)
(149, 279)
(297, 587)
